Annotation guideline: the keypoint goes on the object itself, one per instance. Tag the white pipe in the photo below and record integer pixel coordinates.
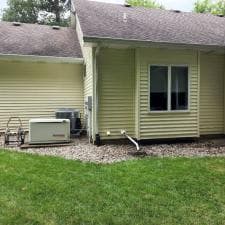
(123, 132)
(96, 53)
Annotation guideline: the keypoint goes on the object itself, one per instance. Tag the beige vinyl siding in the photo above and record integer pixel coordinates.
(35, 90)
(212, 94)
(174, 124)
(116, 92)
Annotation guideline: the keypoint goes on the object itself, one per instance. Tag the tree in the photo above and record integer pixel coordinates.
(56, 7)
(36, 11)
(209, 6)
(219, 8)
(203, 6)
(145, 3)
(21, 11)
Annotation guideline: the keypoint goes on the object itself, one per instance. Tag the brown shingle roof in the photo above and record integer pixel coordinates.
(105, 20)
(40, 40)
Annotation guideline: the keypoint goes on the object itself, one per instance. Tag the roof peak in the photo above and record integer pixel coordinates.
(102, 2)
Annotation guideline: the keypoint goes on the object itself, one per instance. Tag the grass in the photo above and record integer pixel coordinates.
(47, 190)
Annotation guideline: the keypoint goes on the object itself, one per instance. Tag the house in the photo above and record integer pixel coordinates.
(41, 70)
(156, 74)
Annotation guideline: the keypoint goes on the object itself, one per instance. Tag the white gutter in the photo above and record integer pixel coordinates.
(123, 132)
(144, 43)
(35, 58)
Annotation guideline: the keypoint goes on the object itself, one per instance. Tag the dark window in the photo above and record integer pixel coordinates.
(169, 83)
(179, 88)
(158, 88)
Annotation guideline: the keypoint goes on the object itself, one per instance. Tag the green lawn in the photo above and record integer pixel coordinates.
(47, 190)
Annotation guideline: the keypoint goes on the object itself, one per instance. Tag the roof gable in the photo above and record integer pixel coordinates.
(105, 20)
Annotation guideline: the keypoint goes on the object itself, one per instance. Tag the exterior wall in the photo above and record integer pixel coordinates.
(212, 94)
(167, 125)
(116, 75)
(35, 90)
(123, 94)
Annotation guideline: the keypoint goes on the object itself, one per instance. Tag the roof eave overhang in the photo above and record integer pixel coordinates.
(105, 41)
(35, 58)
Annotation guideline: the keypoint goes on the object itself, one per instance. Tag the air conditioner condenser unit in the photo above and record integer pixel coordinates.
(73, 115)
(49, 131)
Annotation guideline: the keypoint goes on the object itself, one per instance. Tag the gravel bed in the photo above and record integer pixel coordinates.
(82, 150)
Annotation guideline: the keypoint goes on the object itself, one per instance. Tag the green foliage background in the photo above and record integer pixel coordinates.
(27, 11)
(145, 3)
(209, 6)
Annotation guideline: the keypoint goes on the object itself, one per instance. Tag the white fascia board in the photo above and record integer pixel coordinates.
(109, 42)
(34, 58)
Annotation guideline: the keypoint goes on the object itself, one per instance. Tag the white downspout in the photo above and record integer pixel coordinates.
(123, 132)
(97, 50)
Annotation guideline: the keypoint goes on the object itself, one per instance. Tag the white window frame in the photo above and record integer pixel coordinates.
(169, 110)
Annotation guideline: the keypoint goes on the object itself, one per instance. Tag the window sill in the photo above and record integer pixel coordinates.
(169, 112)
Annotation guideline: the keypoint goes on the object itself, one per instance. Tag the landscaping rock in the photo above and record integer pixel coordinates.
(82, 150)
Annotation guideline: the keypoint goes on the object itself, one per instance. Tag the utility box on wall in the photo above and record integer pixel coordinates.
(47, 131)
(88, 112)
(89, 103)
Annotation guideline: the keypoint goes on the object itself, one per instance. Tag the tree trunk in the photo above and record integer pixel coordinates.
(57, 11)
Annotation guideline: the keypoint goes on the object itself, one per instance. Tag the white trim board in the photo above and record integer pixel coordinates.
(169, 110)
(34, 58)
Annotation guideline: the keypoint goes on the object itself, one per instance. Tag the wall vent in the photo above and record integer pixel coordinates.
(127, 5)
(16, 24)
(124, 17)
(175, 11)
(55, 27)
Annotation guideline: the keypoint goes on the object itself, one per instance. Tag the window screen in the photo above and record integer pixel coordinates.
(179, 88)
(158, 88)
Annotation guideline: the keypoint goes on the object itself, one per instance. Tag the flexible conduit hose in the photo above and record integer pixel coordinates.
(123, 132)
